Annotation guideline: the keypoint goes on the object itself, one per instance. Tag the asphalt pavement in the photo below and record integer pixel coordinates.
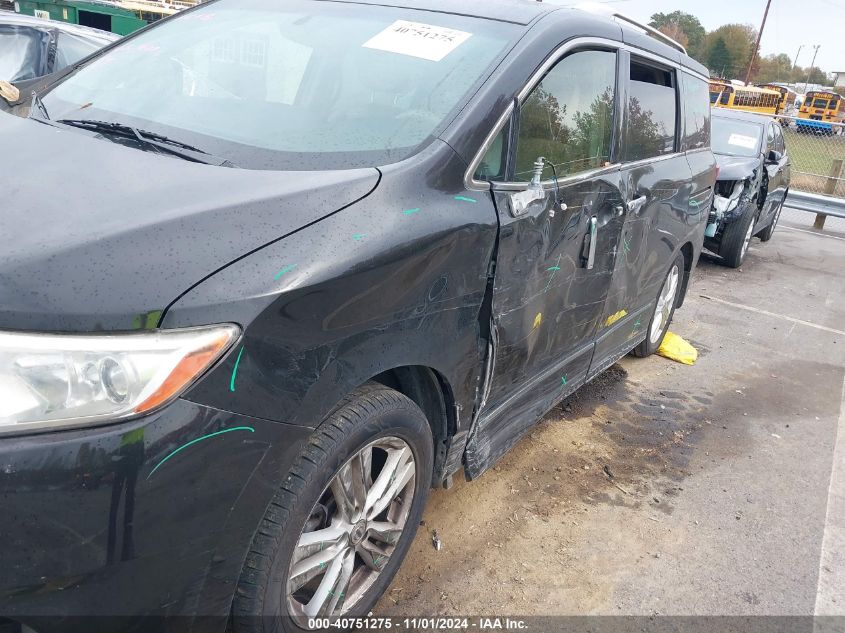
(665, 489)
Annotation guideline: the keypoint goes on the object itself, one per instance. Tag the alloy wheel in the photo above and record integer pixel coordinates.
(748, 235)
(665, 301)
(352, 530)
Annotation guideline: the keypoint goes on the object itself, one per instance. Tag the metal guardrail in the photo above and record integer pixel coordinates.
(815, 203)
(817, 153)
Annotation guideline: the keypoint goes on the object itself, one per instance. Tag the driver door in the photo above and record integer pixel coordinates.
(560, 222)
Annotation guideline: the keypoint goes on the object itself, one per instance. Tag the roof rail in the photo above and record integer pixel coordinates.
(594, 7)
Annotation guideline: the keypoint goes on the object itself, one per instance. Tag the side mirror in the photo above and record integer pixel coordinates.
(521, 200)
(774, 157)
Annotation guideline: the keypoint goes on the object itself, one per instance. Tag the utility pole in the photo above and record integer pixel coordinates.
(757, 43)
(794, 64)
(795, 61)
(810, 71)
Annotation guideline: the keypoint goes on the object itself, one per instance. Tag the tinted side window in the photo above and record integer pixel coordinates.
(568, 117)
(770, 137)
(779, 142)
(652, 112)
(696, 112)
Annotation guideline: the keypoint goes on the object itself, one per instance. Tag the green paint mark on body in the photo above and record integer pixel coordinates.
(465, 199)
(199, 439)
(411, 211)
(563, 380)
(284, 270)
(554, 270)
(147, 321)
(636, 327)
(235, 370)
(359, 236)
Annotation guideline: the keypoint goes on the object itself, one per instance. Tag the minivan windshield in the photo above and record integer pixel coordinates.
(735, 138)
(292, 85)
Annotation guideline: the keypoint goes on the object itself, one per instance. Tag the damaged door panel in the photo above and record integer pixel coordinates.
(558, 240)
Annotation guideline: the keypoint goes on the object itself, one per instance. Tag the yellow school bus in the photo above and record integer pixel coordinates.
(819, 111)
(716, 88)
(787, 97)
(747, 98)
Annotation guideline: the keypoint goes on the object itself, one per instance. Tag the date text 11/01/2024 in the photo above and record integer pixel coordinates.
(421, 623)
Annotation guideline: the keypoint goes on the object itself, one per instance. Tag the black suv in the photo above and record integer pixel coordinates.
(754, 176)
(271, 271)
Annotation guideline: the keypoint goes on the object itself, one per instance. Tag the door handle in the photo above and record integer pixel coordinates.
(636, 204)
(591, 253)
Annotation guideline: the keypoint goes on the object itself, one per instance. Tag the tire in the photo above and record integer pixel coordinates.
(372, 421)
(737, 236)
(766, 234)
(664, 309)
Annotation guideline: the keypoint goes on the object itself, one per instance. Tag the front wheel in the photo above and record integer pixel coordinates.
(737, 236)
(664, 310)
(342, 521)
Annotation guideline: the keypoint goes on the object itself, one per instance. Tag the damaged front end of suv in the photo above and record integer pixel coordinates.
(731, 198)
(751, 185)
(738, 199)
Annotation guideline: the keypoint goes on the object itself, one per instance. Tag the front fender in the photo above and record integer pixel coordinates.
(396, 279)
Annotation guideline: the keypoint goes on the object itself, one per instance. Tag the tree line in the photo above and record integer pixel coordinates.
(727, 50)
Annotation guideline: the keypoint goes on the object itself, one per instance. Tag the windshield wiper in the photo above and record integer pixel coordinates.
(150, 139)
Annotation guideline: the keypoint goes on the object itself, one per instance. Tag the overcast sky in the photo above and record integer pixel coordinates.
(790, 23)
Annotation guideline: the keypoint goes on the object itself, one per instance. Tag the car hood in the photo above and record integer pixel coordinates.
(99, 236)
(736, 167)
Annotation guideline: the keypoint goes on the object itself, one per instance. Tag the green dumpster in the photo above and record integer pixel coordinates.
(117, 17)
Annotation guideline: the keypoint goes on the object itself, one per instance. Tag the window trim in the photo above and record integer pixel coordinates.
(567, 47)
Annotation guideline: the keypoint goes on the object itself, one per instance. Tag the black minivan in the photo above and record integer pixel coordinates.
(271, 271)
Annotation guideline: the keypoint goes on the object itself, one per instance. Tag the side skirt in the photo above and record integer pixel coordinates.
(496, 430)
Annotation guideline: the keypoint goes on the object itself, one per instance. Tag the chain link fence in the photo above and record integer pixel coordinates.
(817, 154)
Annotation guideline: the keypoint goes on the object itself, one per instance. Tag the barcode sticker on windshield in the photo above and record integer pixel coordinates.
(740, 140)
(418, 40)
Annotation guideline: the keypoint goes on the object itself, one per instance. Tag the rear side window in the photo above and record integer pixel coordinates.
(568, 117)
(652, 112)
(696, 112)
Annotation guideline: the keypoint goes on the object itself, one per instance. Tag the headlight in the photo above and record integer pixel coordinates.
(51, 380)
